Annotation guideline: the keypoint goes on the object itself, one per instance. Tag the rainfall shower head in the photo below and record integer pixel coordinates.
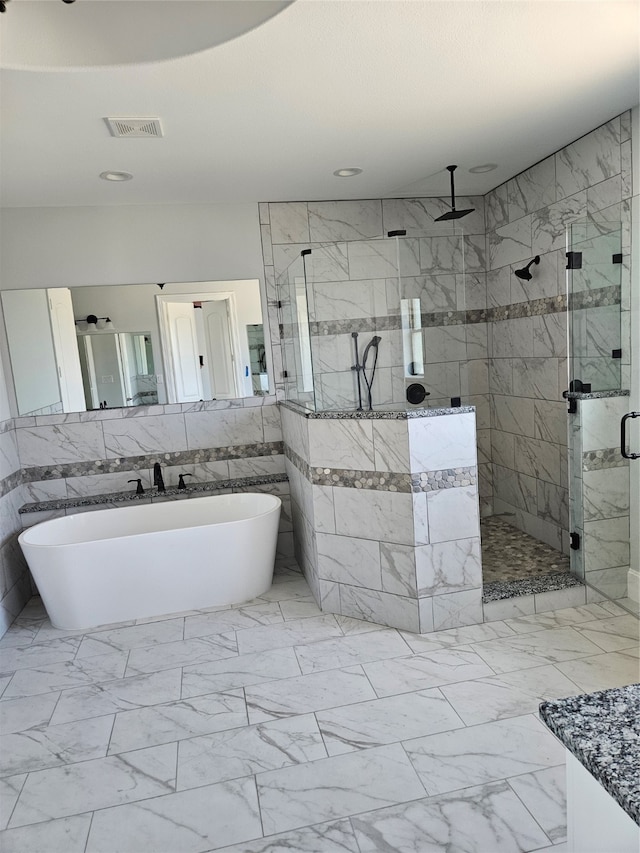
(453, 213)
(524, 273)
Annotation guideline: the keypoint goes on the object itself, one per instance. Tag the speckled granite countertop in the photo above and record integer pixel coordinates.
(602, 730)
(497, 590)
(593, 395)
(379, 415)
(193, 490)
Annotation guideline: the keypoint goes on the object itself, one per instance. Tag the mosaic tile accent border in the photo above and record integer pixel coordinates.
(534, 308)
(383, 481)
(599, 460)
(597, 298)
(8, 484)
(136, 463)
(448, 478)
(197, 489)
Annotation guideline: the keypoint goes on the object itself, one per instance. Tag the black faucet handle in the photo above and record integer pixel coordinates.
(139, 490)
(181, 482)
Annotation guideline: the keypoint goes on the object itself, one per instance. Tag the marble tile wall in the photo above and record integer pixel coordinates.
(586, 182)
(15, 580)
(398, 543)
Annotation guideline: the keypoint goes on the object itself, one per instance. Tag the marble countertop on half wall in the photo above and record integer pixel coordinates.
(602, 730)
(593, 395)
(378, 414)
(192, 490)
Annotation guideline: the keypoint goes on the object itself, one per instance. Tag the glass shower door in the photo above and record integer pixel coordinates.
(599, 472)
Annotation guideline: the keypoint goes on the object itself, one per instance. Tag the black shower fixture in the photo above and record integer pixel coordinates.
(524, 273)
(453, 213)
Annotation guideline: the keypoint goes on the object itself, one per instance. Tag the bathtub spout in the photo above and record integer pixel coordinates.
(157, 477)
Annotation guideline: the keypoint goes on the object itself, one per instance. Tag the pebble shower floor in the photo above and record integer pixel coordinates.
(272, 727)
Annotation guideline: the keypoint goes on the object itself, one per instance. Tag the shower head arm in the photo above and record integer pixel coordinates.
(453, 192)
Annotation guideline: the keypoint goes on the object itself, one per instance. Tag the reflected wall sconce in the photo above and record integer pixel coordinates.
(524, 273)
(95, 324)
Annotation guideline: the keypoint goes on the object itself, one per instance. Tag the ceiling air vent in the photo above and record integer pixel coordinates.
(134, 128)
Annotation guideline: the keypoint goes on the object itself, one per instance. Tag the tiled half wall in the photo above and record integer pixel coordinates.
(385, 517)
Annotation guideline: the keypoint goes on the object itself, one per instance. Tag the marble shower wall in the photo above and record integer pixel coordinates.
(527, 216)
(15, 580)
(355, 287)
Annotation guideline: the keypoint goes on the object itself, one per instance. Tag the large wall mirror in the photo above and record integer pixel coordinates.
(82, 348)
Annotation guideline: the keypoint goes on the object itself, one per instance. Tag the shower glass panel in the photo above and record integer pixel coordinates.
(598, 473)
(594, 267)
(394, 303)
(295, 340)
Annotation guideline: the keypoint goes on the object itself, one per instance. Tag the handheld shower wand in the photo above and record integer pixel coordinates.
(357, 367)
(373, 343)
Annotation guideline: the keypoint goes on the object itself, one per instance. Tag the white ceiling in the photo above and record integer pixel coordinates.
(399, 88)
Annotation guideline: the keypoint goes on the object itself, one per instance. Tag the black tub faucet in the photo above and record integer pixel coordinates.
(181, 482)
(157, 477)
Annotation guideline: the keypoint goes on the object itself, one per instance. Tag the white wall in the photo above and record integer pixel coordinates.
(74, 246)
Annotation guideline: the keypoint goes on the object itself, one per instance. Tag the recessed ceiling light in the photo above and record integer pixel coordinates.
(486, 167)
(347, 173)
(116, 176)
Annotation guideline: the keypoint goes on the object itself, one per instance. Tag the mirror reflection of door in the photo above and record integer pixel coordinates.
(220, 359)
(117, 370)
(200, 340)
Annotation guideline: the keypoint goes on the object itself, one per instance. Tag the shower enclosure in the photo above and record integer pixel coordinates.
(406, 295)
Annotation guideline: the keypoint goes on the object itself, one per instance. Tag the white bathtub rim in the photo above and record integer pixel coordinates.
(23, 537)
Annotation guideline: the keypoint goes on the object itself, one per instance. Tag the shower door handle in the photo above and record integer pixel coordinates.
(623, 435)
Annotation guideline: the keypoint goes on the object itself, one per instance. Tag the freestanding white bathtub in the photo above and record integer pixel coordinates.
(114, 565)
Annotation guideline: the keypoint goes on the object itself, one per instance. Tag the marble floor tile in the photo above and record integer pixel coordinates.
(292, 633)
(333, 837)
(187, 718)
(123, 694)
(485, 819)
(66, 835)
(133, 637)
(351, 626)
(52, 746)
(205, 624)
(336, 787)
(299, 608)
(457, 636)
(485, 753)
(190, 821)
(241, 671)
(557, 618)
(62, 676)
(249, 750)
(407, 674)
(97, 784)
(307, 693)
(181, 653)
(304, 685)
(603, 671)
(39, 654)
(286, 587)
(348, 651)
(613, 634)
(529, 650)
(9, 792)
(382, 721)
(16, 715)
(510, 694)
(544, 794)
